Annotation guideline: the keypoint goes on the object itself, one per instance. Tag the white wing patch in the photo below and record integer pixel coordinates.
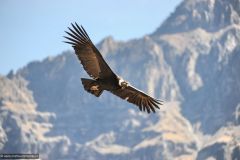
(120, 80)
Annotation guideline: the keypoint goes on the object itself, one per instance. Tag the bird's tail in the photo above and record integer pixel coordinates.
(92, 86)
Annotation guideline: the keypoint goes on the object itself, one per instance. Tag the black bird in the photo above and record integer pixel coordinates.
(103, 77)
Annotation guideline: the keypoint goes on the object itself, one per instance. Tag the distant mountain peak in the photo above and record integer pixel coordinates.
(108, 45)
(210, 15)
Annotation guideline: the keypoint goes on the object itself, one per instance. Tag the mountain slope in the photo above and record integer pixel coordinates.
(22, 127)
(200, 41)
(211, 15)
(205, 65)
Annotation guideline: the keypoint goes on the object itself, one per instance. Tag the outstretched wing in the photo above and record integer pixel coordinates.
(87, 53)
(139, 98)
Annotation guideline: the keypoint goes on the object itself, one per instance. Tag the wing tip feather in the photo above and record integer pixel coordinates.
(77, 35)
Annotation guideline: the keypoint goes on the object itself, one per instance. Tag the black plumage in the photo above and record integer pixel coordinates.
(103, 77)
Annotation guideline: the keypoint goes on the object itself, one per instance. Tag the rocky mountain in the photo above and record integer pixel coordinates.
(22, 127)
(210, 15)
(204, 59)
(191, 62)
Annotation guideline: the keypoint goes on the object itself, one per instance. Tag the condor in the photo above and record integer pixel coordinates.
(103, 78)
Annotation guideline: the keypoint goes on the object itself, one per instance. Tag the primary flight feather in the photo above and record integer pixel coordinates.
(103, 77)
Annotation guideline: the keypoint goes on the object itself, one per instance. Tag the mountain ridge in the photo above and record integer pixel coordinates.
(210, 15)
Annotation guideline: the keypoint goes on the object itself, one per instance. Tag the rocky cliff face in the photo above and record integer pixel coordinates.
(22, 128)
(205, 66)
(224, 144)
(203, 54)
(211, 15)
(191, 62)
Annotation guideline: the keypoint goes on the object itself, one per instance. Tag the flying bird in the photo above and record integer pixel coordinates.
(103, 78)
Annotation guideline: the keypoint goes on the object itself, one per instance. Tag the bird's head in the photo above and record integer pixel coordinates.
(123, 84)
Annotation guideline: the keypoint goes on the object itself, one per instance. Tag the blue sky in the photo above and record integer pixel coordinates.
(33, 29)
